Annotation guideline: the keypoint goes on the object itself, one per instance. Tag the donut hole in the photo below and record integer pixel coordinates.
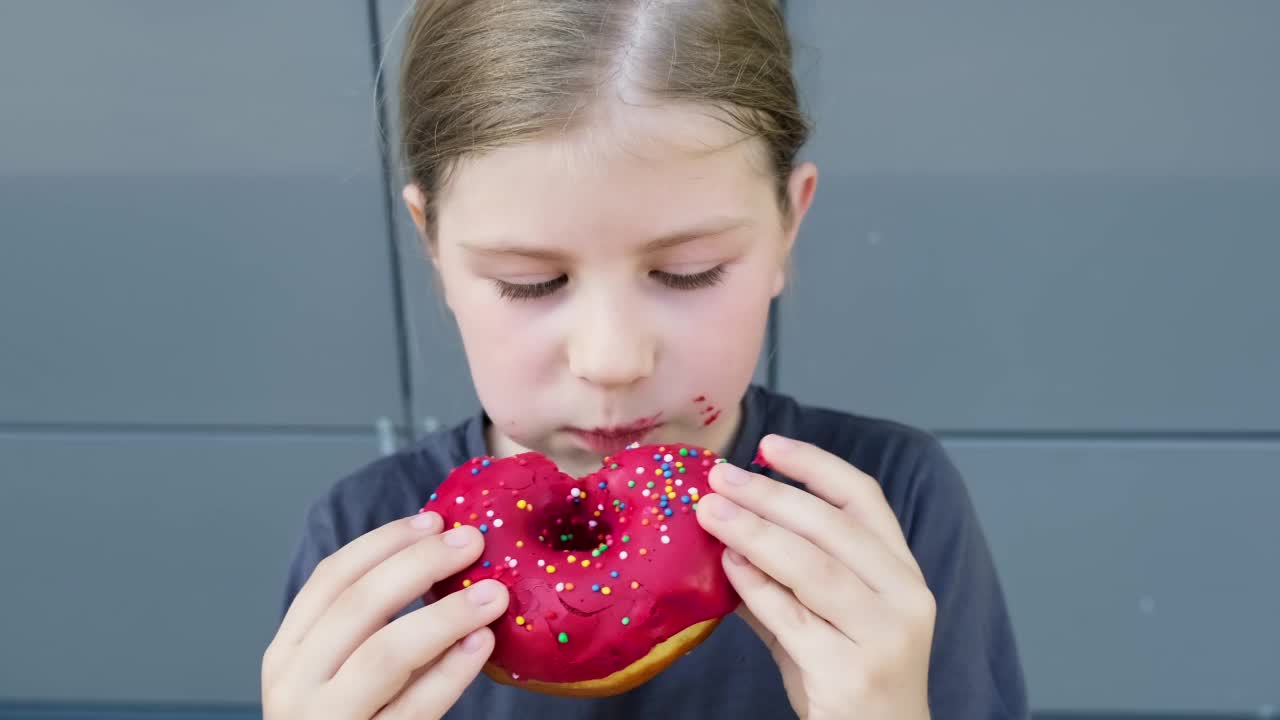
(574, 534)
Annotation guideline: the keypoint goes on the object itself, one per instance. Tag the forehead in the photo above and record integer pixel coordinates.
(630, 169)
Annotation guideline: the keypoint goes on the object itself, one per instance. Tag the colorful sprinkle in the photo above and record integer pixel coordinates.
(551, 568)
(563, 637)
(626, 621)
(684, 452)
(605, 590)
(466, 583)
(521, 504)
(519, 619)
(484, 528)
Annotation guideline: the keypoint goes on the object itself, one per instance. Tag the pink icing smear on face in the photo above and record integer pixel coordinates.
(710, 411)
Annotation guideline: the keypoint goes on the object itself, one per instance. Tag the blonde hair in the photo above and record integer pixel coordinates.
(480, 74)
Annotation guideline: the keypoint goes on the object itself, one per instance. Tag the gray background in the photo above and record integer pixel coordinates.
(1046, 232)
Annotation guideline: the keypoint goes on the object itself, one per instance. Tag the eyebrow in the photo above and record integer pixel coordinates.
(718, 226)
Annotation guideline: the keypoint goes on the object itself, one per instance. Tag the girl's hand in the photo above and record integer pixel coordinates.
(336, 656)
(828, 583)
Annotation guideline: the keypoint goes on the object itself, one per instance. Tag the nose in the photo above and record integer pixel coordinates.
(611, 345)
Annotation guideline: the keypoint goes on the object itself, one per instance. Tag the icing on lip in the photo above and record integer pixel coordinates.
(605, 440)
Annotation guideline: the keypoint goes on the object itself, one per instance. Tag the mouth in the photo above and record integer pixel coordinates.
(608, 440)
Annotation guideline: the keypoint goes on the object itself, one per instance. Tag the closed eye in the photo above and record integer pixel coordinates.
(530, 291)
(704, 279)
(533, 291)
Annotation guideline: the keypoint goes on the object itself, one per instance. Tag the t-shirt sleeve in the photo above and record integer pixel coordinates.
(319, 540)
(974, 669)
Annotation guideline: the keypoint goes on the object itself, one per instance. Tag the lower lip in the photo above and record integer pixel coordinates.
(603, 444)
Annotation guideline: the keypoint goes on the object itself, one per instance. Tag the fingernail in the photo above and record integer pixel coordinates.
(429, 520)
(457, 537)
(721, 507)
(472, 642)
(735, 557)
(482, 593)
(733, 474)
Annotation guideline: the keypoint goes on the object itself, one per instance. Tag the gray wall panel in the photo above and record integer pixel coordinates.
(1040, 303)
(1141, 576)
(1059, 216)
(144, 567)
(1127, 87)
(191, 218)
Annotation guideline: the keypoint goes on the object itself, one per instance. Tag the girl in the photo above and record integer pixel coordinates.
(609, 194)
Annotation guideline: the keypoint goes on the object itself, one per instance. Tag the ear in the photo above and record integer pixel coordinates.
(416, 201)
(801, 187)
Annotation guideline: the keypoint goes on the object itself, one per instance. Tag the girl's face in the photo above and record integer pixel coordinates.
(612, 285)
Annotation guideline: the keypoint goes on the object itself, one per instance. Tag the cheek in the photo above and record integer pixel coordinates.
(506, 381)
(717, 340)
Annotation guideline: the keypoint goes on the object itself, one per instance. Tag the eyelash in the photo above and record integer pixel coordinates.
(533, 291)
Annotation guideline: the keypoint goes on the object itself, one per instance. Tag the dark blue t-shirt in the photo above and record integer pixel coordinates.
(974, 669)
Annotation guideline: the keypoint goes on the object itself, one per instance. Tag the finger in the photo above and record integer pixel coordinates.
(375, 598)
(820, 582)
(337, 572)
(836, 533)
(385, 663)
(786, 623)
(840, 484)
(435, 691)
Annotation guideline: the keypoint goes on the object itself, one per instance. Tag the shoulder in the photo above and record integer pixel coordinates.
(881, 447)
(910, 464)
(389, 487)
